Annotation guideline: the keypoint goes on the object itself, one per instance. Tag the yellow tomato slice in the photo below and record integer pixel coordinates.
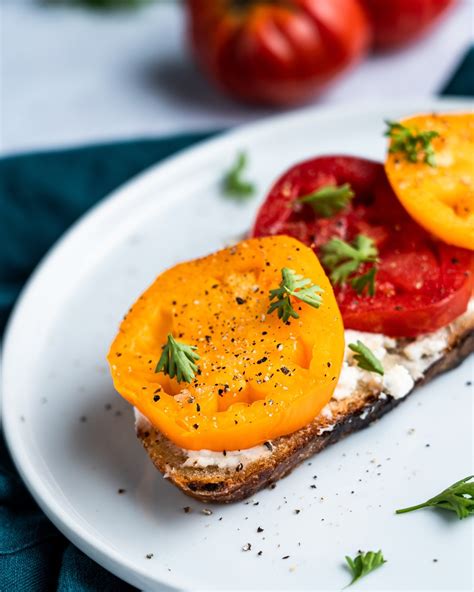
(441, 197)
(258, 378)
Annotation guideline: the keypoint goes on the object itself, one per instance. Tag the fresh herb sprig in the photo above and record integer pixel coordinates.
(344, 260)
(178, 359)
(458, 498)
(365, 358)
(365, 281)
(234, 184)
(297, 286)
(364, 563)
(415, 145)
(329, 200)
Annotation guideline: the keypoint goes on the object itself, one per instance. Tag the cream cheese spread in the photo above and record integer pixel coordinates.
(402, 367)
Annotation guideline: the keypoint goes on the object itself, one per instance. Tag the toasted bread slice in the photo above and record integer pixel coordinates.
(232, 476)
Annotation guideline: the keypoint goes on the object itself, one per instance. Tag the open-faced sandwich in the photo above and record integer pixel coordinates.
(354, 288)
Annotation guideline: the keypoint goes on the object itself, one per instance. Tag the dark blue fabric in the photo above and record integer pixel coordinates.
(462, 83)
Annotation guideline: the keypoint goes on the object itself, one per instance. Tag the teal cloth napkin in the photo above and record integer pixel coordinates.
(461, 84)
(40, 196)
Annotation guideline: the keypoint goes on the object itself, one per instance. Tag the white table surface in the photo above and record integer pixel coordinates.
(72, 76)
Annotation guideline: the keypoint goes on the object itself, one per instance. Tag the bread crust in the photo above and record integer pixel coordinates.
(214, 484)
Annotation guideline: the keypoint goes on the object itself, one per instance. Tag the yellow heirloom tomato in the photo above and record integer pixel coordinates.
(253, 376)
(436, 187)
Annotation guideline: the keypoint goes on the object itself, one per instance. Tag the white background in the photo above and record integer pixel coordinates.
(71, 75)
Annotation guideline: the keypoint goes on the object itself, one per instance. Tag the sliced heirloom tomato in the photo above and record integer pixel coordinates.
(439, 197)
(258, 378)
(421, 284)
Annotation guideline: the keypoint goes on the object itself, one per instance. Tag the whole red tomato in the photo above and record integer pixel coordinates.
(396, 22)
(276, 51)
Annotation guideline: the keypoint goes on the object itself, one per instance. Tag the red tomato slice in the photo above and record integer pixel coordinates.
(421, 283)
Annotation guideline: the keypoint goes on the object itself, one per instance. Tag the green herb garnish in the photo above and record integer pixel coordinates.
(365, 358)
(344, 260)
(178, 359)
(295, 285)
(329, 200)
(458, 498)
(414, 144)
(364, 563)
(367, 280)
(234, 184)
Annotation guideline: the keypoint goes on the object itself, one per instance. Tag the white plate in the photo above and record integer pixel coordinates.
(55, 373)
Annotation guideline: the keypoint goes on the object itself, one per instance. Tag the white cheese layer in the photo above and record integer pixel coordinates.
(397, 381)
(402, 367)
(225, 460)
(210, 458)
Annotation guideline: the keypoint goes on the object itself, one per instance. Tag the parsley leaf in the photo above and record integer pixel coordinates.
(344, 259)
(415, 144)
(329, 200)
(234, 185)
(364, 563)
(458, 498)
(367, 280)
(365, 358)
(295, 285)
(178, 359)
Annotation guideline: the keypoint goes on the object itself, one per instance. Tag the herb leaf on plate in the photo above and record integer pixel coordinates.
(234, 184)
(364, 563)
(458, 497)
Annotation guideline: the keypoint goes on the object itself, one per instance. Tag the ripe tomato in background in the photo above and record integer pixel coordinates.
(396, 22)
(277, 51)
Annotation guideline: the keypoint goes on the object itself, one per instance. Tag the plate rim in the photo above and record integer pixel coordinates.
(104, 554)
